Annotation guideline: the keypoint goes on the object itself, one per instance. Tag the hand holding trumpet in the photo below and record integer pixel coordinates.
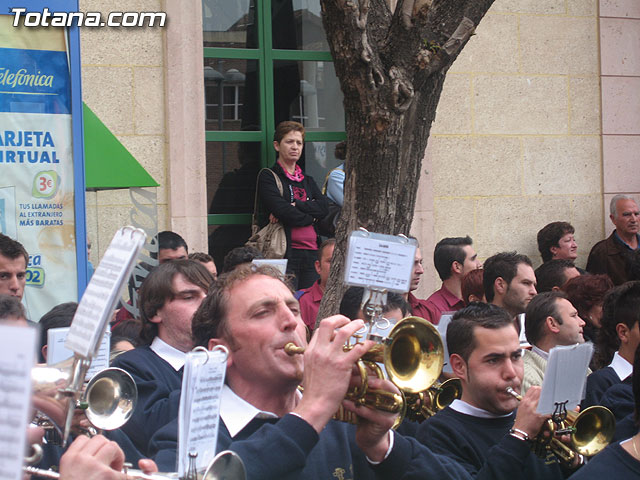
(327, 369)
(527, 419)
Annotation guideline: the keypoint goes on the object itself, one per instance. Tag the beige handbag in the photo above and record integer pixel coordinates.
(271, 240)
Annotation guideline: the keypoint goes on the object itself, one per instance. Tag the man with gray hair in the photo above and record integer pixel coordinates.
(610, 256)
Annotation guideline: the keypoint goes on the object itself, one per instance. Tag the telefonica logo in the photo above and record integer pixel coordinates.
(22, 78)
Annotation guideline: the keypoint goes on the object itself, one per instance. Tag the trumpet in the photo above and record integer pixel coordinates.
(226, 465)
(412, 355)
(590, 432)
(108, 399)
(423, 405)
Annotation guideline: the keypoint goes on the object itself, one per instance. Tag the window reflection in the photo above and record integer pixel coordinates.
(229, 23)
(232, 168)
(297, 25)
(309, 93)
(231, 94)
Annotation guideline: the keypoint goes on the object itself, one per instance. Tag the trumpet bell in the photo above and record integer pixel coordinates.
(415, 355)
(594, 429)
(111, 396)
(225, 465)
(449, 391)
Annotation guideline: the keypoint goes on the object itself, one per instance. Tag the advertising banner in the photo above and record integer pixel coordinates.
(37, 177)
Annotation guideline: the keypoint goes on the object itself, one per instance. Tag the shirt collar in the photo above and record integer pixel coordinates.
(463, 407)
(169, 354)
(622, 368)
(237, 413)
(622, 242)
(539, 352)
(449, 297)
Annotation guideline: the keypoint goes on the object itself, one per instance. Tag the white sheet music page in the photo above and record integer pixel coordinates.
(102, 293)
(445, 320)
(17, 354)
(280, 263)
(564, 377)
(57, 352)
(379, 261)
(199, 414)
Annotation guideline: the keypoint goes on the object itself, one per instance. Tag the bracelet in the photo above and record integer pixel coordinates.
(519, 434)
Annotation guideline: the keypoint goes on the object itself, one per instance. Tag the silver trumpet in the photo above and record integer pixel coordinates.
(108, 399)
(226, 465)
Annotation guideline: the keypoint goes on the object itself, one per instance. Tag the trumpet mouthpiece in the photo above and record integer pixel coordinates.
(513, 393)
(292, 349)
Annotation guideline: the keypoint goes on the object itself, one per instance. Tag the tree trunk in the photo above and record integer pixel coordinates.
(391, 67)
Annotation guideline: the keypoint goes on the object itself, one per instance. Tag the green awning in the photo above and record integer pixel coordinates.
(107, 163)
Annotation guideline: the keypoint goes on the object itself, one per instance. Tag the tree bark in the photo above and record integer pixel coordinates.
(391, 67)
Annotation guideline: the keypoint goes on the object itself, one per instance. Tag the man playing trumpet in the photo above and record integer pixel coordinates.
(276, 431)
(483, 431)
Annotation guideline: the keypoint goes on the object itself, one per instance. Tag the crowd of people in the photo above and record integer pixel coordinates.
(506, 319)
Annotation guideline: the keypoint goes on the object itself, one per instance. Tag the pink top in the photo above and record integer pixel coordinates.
(304, 238)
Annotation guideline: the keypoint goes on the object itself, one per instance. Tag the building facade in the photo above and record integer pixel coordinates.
(539, 119)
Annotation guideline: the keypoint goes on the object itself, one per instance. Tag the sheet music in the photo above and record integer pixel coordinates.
(565, 377)
(102, 293)
(280, 264)
(57, 352)
(17, 354)
(445, 320)
(524, 343)
(199, 414)
(379, 261)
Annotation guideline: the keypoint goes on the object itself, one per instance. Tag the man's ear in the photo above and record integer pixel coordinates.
(623, 332)
(458, 365)
(552, 324)
(317, 265)
(499, 286)
(44, 352)
(456, 267)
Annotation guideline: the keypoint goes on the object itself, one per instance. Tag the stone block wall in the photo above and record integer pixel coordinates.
(516, 141)
(620, 70)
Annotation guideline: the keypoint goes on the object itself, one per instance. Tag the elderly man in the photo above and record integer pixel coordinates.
(13, 267)
(276, 431)
(550, 321)
(611, 255)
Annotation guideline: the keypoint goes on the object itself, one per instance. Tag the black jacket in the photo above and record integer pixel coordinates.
(305, 212)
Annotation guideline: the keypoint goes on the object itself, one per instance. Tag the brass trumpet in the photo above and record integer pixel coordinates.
(590, 432)
(226, 465)
(423, 405)
(412, 355)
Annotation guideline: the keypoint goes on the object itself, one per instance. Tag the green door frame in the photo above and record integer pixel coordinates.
(265, 55)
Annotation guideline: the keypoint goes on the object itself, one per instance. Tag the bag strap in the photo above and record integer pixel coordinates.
(254, 220)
